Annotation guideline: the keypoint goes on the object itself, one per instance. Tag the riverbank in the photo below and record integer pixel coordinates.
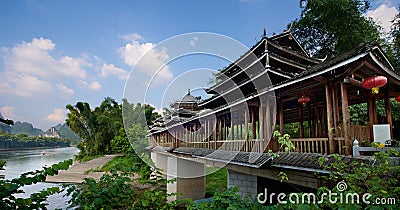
(77, 172)
(29, 148)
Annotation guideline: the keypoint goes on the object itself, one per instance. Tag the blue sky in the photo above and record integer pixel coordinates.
(54, 53)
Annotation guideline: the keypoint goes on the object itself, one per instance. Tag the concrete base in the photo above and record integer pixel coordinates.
(190, 179)
(160, 161)
(247, 183)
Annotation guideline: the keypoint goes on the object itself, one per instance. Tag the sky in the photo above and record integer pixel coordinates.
(54, 53)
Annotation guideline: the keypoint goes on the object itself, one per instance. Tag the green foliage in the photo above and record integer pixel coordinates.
(216, 181)
(284, 141)
(102, 128)
(129, 188)
(10, 189)
(228, 199)
(332, 27)
(11, 141)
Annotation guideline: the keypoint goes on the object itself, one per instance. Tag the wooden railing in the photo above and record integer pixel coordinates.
(361, 133)
(311, 145)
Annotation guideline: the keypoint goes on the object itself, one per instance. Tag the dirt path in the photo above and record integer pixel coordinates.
(76, 173)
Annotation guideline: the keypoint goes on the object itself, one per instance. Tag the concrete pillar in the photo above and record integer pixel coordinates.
(247, 183)
(190, 179)
(160, 161)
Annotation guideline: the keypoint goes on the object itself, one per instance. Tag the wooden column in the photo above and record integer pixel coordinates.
(253, 124)
(232, 127)
(329, 120)
(268, 123)
(261, 127)
(371, 115)
(246, 123)
(346, 118)
(215, 133)
(281, 122)
(301, 121)
(336, 115)
(317, 121)
(388, 109)
(309, 120)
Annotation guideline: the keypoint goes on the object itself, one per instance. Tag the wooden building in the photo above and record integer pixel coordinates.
(276, 83)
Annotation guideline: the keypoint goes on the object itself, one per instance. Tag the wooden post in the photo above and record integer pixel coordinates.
(301, 121)
(215, 133)
(316, 121)
(371, 117)
(346, 118)
(253, 124)
(232, 129)
(329, 118)
(261, 122)
(246, 123)
(281, 122)
(309, 120)
(388, 113)
(268, 123)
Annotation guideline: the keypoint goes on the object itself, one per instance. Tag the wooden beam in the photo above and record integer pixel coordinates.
(346, 118)
(329, 114)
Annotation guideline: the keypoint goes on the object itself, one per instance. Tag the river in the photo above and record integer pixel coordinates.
(21, 161)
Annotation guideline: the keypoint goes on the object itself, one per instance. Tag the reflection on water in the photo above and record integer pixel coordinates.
(22, 161)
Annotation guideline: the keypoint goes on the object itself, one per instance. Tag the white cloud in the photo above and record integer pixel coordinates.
(34, 58)
(92, 86)
(132, 37)
(65, 89)
(383, 15)
(110, 69)
(58, 116)
(21, 84)
(7, 112)
(152, 60)
(193, 41)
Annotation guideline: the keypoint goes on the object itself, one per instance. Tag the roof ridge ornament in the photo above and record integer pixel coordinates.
(265, 32)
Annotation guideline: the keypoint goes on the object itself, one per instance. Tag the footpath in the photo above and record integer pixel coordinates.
(77, 172)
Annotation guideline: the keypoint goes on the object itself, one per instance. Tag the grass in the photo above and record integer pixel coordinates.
(83, 159)
(216, 181)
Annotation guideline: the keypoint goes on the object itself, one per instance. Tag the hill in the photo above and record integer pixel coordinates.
(65, 132)
(25, 128)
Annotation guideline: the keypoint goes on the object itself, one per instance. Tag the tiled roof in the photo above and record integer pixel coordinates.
(294, 160)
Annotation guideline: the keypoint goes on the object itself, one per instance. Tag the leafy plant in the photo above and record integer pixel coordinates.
(10, 189)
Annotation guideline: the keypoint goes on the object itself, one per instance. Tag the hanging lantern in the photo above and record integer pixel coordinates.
(398, 98)
(374, 83)
(303, 100)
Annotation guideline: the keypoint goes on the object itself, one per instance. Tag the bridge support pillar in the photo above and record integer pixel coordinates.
(247, 183)
(190, 178)
(160, 161)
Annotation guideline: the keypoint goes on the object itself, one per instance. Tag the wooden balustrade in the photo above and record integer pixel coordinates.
(311, 145)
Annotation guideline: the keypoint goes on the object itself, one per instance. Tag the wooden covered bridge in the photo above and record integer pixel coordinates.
(277, 83)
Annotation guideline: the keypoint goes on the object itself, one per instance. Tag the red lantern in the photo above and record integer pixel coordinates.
(374, 83)
(398, 98)
(303, 100)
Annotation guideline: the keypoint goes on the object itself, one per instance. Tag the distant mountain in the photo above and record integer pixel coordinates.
(25, 128)
(66, 132)
(58, 126)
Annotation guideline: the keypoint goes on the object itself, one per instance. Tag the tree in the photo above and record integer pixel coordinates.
(395, 35)
(332, 27)
(95, 127)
